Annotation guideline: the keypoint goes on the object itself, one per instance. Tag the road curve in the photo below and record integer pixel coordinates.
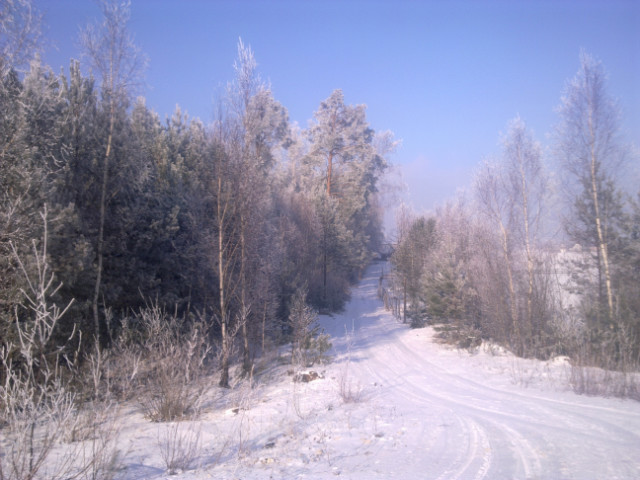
(459, 427)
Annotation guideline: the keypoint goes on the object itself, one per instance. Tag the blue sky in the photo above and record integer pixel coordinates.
(444, 76)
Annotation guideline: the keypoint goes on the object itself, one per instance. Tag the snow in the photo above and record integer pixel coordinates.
(394, 403)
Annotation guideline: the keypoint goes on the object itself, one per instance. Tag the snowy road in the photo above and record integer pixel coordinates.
(455, 421)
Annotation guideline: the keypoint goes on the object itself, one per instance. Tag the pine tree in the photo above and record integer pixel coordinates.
(345, 165)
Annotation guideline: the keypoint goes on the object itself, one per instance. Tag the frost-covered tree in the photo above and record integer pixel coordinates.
(496, 206)
(417, 239)
(512, 194)
(20, 34)
(527, 188)
(31, 160)
(339, 136)
(343, 159)
(591, 152)
(252, 127)
(262, 125)
(527, 185)
(308, 342)
(19, 44)
(448, 283)
(118, 61)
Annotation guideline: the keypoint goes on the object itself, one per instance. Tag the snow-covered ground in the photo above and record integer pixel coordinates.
(395, 404)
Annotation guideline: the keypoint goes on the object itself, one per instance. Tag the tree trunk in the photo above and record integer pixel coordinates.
(264, 325)
(246, 357)
(103, 201)
(324, 264)
(602, 243)
(329, 173)
(527, 243)
(404, 300)
(512, 291)
(224, 333)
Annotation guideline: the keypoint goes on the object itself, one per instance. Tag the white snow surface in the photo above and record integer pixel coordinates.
(417, 410)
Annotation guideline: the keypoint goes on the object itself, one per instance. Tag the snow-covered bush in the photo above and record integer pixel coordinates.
(309, 344)
(36, 404)
(178, 447)
(172, 357)
(460, 334)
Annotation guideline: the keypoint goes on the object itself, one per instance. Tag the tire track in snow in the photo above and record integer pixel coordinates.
(529, 458)
(528, 462)
(478, 452)
(600, 427)
(474, 460)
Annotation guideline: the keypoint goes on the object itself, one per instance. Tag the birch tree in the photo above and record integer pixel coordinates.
(590, 151)
(262, 125)
(20, 34)
(526, 186)
(511, 193)
(495, 205)
(402, 258)
(117, 60)
(226, 248)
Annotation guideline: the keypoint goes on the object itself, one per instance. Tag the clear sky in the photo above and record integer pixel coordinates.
(444, 76)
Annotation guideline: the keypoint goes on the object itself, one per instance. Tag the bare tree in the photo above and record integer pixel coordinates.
(526, 185)
(402, 259)
(115, 57)
(512, 193)
(19, 34)
(496, 206)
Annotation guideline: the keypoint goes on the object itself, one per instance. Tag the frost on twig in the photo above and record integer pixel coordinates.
(35, 403)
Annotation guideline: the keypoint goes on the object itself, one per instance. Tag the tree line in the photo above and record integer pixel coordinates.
(491, 266)
(220, 223)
